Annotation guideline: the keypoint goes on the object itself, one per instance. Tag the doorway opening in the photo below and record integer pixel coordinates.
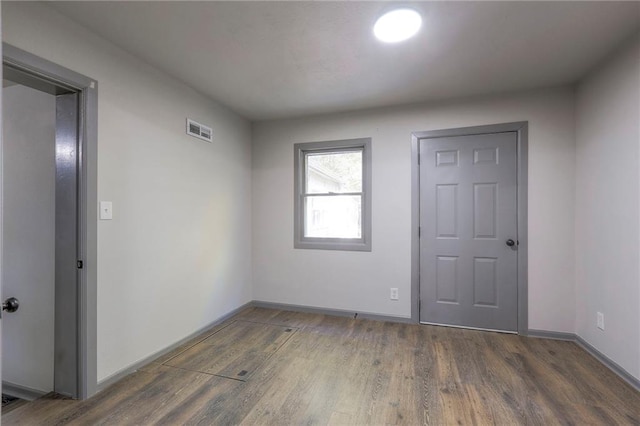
(49, 199)
(469, 213)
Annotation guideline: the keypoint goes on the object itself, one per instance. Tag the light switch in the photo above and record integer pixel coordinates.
(106, 210)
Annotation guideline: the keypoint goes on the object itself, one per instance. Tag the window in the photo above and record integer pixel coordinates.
(333, 195)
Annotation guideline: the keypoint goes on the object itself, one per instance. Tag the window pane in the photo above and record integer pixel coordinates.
(334, 172)
(331, 216)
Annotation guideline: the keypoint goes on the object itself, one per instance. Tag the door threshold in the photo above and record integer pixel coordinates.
(468, 328)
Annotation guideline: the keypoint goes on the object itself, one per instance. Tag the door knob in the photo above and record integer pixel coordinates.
(11, 304)
(511, 243)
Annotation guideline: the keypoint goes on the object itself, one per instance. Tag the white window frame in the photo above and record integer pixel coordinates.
(318, 243)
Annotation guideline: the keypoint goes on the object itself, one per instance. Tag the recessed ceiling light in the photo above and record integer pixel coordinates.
(397, 25)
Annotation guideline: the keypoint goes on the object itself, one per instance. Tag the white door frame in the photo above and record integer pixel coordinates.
(84, 370)
(521, 129)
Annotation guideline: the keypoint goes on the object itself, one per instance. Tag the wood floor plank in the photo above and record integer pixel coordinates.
(235, 351)
(196, 399)
(12, 405)
(192, 342)
(346, 371)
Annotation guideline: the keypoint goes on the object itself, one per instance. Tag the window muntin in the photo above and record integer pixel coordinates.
(333, 205)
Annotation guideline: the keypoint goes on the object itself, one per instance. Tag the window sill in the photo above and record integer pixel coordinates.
(332, 244)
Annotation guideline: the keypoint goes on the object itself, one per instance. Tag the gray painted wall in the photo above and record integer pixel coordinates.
(181, 229)
(29, 236)
(360, 282)
(607, 207)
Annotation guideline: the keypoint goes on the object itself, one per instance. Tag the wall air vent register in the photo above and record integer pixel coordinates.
(199, 131)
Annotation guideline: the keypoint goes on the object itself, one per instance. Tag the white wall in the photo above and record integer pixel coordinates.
(29, 236)
(175, 257)
(360, 282)
(607, 207)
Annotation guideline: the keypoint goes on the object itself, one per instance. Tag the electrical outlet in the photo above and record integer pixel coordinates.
(394, 293)
(600, 321)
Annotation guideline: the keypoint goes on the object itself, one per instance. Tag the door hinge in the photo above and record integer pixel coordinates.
(80, 264)
(418, 159)
(419, 231)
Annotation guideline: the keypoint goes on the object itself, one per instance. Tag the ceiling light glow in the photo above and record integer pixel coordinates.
(397, 25)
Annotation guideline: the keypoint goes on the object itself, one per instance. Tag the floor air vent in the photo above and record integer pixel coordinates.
(199, 131)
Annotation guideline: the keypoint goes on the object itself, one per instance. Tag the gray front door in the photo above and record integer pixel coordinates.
(468, 223)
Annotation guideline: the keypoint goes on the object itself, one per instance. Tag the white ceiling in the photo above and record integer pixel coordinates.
(282, 59)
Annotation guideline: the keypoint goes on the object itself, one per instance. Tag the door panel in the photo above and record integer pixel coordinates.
(29, 236)
(468, 210)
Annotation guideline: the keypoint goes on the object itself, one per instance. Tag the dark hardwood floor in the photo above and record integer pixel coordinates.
(280, 368)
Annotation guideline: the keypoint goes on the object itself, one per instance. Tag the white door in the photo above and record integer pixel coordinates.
(468, 221)
(29, 179)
